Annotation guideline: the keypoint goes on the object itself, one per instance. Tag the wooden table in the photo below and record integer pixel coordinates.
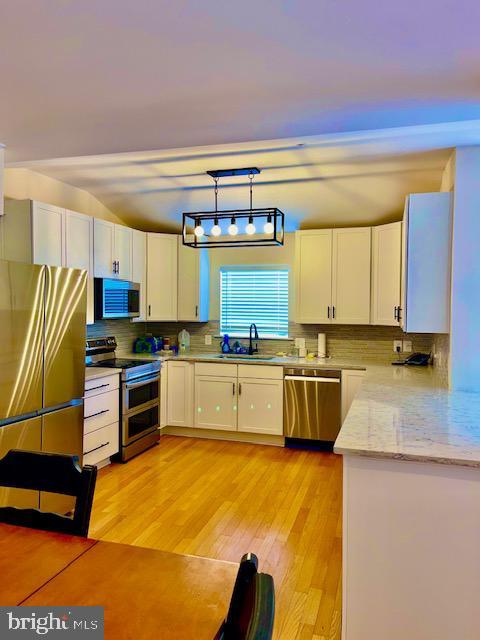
(146, 593)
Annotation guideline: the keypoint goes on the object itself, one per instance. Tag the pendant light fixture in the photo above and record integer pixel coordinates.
(205, 236)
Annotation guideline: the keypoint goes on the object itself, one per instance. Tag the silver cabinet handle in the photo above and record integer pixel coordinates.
(100, 386)
(312, 379)
(99, 413)
(96, 448)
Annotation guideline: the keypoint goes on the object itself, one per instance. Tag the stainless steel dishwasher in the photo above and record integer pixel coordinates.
(312, 405)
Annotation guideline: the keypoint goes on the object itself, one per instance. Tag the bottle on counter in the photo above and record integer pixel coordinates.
(183, 341)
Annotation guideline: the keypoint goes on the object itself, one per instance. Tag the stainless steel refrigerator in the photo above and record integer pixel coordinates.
(42, 367)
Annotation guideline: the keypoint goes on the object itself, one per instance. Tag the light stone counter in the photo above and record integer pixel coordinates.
(405, 414)
(99, 372)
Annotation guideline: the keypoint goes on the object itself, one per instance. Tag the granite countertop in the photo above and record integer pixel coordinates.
(99, 372)
(406, 414)
(316, 363)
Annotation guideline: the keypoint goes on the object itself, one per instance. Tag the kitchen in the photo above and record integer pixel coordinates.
(257, 349)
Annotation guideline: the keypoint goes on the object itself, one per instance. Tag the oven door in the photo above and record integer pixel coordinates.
(140, 392)
(139, 423)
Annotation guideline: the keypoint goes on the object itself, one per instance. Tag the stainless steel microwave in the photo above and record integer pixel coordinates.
(116, 299)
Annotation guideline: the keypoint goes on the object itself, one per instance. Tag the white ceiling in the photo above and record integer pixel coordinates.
(337, 180)
(85, 77)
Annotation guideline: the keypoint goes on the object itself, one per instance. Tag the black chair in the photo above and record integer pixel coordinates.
(48, 472)
(252, 607)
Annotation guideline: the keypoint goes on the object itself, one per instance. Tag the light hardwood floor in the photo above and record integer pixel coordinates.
(221, 499)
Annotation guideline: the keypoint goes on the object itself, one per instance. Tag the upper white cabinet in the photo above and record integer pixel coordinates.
(162, 270)
(139, 269)
(123, 252)
(426, 263)
(47, 234)
(112, 250)
(333, 276)
(351, 276)
(193, 284)
(79, 250)
(386, 273)
(313, 268)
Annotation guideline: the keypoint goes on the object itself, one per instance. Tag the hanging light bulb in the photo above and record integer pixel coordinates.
(199, 230)
(216, 230)
(250, 228)
(233, 229)
(268, 226)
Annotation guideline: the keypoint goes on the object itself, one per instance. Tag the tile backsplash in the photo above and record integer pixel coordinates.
(343, 341)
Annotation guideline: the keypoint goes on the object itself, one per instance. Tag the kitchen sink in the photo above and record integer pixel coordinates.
(243, 356)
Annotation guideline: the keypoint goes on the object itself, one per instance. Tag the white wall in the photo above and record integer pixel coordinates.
(282, 256)
(465, 316)
(23, 184)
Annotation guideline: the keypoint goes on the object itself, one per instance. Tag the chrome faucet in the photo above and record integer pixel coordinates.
(251, 348)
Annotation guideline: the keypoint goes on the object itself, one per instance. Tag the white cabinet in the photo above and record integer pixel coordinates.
(193, 284)
(112, 250)
(386, 273)
(123, 252)
(313, 269)
(180, 398)
(426, 263)
(333, 276)
(101, 415)
(260, 405)
(79, 250)
(216, 402)
(162, 253)
(47, 234)
(103, 254)
(351, 276)
(351, 382)
(139, 269)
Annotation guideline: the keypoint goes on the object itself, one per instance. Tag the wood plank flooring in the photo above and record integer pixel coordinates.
(221, 499)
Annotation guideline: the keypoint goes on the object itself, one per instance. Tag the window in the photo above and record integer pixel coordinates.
(255, 294)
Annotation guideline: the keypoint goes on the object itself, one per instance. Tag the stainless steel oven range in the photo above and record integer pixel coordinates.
(139, 398)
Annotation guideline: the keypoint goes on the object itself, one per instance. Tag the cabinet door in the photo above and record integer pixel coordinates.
(79, 250)
(313, 259)
(216, 403)
(161, 276)
(180, 394)
(351, 275)
(193, 284)
(103, 248)
(47, 234)
(260, 406)
(123, 252)
(386, 273)
(139, 269)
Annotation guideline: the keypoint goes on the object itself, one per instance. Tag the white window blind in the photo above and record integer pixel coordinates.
(254, 295)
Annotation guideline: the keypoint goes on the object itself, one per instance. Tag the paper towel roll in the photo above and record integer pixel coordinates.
(322, 345)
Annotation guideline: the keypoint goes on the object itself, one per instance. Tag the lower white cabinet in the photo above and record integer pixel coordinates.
(100, 422)
(180, 397)
(260, 405)
(216, 402)
(351, 382)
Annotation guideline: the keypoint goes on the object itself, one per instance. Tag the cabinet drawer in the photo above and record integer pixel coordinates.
(100, 444)
(100, 410)
(101, 385)
(219, 369)
(259, 371)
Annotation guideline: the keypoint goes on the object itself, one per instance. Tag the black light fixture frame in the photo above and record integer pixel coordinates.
(276, 216)
(273, 215)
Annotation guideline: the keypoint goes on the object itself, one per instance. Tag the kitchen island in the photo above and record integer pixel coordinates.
(411, 553)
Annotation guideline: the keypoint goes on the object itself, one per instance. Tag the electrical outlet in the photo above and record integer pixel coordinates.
(208, 339)
(397, 346)
(407, 346)
(300, 343)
